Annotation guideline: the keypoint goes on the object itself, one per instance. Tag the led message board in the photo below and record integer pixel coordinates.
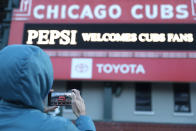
(111, 36)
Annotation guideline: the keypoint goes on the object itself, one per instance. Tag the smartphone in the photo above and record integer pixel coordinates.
(59, 98)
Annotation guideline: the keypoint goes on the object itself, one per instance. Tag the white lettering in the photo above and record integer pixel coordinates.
(32, 34)
(43, 37)
(65, 39)
(52, 11)
(100, 12)
(116, 68)
(86, 12)
(99, 67)
(73, 37)
(121, 68)
(114, 11)
(151, 37)
(109, 37)
(114, 8)
(36, 10)
(140, 69)
(167, 11)
(54, 34)
(154, 12)
(174, 37)
(134, 11)
(124, 69)
(182, 12)
(63, 12)
(107, 68)
(132, 66)
(70, 11)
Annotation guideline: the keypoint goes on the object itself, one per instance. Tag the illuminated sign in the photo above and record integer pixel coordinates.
(111, 36)
(121, 68)
(128, 11)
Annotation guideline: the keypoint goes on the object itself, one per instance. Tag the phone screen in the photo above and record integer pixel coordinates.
(59, 98)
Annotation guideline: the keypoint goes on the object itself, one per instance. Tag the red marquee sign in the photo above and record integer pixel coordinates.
(107, 11)
(127, 69)
(118, 65)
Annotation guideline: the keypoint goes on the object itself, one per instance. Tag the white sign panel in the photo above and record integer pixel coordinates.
(81, 68)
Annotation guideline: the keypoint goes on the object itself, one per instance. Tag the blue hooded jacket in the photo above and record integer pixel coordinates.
(26, 76)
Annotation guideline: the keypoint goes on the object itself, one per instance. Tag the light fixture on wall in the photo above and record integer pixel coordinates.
(117, 89)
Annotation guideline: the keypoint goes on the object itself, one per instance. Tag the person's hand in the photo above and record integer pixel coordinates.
(78, 105)
(52, 108)
(48, 109)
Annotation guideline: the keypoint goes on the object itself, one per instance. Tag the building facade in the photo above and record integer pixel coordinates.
(133, 61)
(124, 103)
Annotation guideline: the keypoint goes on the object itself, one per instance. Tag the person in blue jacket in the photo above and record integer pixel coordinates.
(26, 77)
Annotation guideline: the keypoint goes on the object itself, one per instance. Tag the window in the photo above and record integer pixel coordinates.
(73, 85)
(143, 97)
(182, 97)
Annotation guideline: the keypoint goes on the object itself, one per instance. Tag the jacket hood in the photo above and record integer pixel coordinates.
(26, 75)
